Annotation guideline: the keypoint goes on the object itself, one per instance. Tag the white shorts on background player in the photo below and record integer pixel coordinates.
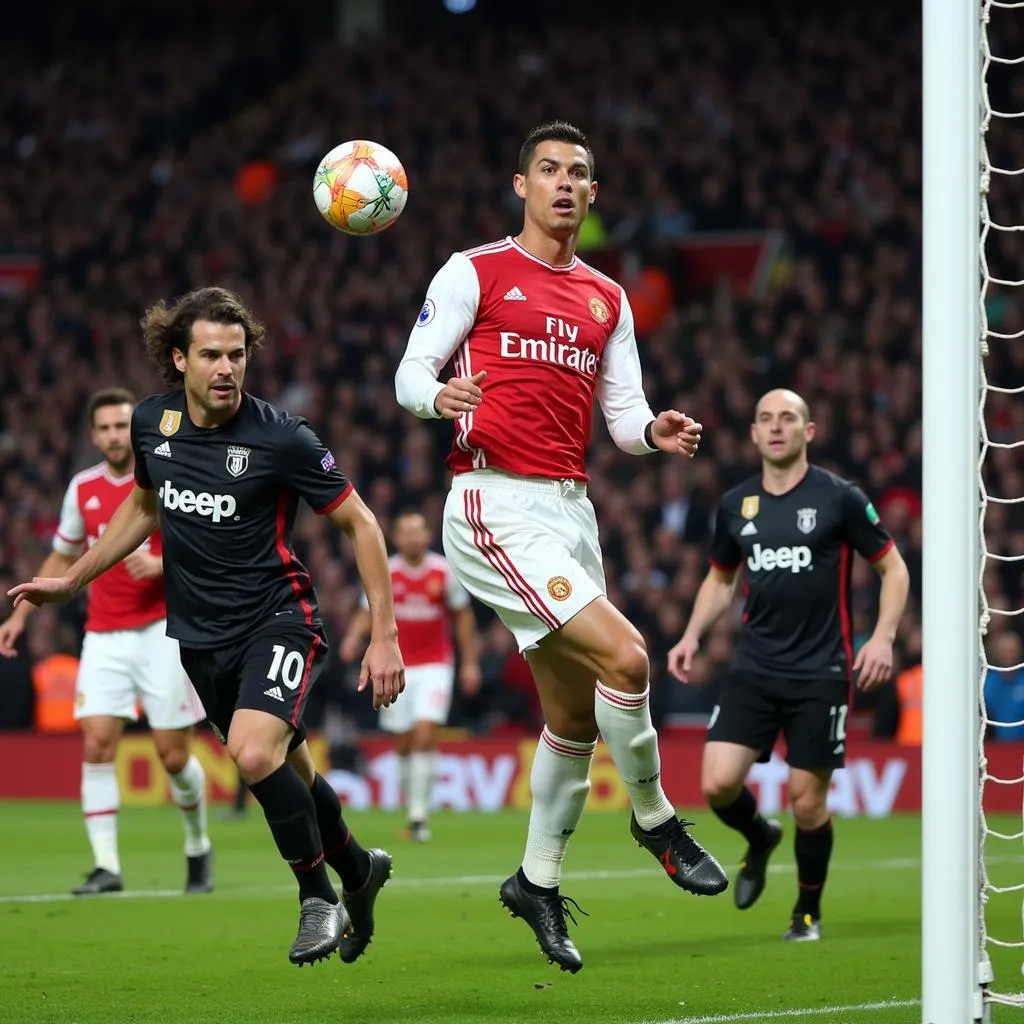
(526, 547)
(427, 698)
(121, 667)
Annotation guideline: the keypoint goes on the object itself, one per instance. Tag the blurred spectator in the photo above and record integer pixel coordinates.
(1004, 688)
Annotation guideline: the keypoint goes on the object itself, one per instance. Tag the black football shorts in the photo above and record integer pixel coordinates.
(274, 672)
(811, 713)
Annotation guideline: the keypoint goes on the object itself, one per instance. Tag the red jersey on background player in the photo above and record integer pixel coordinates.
(127, 657)
(535, 336)
(428, 601)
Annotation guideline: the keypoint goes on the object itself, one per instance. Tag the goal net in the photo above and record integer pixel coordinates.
(973, 258)
(1001, 495)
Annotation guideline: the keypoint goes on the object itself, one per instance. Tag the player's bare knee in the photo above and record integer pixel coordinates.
(174, 759)
(719, 790)
(809, 810)
(255, 761)
(630, 670)
(99, 751)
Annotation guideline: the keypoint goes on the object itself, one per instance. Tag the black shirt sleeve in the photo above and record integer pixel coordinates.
(725, 554)
(307, 466)
(141, 472)
(862, 529)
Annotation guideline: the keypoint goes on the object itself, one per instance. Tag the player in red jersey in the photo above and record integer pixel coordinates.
(428, 601)
(127, 657)
(535, 336)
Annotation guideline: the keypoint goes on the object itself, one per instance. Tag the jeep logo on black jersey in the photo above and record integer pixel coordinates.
(792, 558)
(216, 506)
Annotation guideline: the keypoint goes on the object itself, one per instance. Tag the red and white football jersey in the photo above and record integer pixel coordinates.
(551, 340)
(116, 601)
(425, 595)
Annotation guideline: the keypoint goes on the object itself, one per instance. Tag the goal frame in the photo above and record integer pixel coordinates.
(953, 963)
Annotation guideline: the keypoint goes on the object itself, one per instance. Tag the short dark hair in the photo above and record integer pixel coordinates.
(108, 396)
(553, 131)
(165, 328)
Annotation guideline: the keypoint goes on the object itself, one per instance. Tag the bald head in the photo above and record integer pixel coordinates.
(782, 398)
(782, 428)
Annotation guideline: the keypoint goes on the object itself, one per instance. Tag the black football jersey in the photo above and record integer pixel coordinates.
(796, 551)
(227, 498)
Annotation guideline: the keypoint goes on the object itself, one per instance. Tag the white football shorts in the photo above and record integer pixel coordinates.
(526, 547)
(124, 667)
(427, 697)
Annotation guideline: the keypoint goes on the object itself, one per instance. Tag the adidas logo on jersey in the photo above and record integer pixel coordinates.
(163, 449)
(514, 295)
(92, 503)
(792, 558)
(275, 692)
(749, 530)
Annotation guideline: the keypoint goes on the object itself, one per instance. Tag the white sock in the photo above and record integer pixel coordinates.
(421, 784)
(626, 727)
(101, 800)
(404, 773)
(188, 791)
(560, 782)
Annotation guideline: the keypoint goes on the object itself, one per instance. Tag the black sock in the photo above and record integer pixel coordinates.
(743, 816)
(813, 849)
(341, 850)
(291, 815)
(537, 890)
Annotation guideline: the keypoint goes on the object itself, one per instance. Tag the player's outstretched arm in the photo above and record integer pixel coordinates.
(873, 664)
(382, 664)
(714, 597)
(55, 564)
(134, 520)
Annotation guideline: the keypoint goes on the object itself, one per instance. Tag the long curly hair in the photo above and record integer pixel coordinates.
(166, 328)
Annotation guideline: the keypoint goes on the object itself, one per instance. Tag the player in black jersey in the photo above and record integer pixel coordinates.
(223, 473)
(793, 529)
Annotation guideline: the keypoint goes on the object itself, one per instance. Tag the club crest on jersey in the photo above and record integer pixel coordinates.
(751, 506)
(238, 459)
(169, 422)
(598, 310)
(426, 313)
(559, 588)
(806, 519)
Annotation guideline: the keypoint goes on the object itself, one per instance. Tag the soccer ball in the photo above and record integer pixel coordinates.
(360, 187)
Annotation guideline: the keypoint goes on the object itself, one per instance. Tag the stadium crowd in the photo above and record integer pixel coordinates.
(125, 179)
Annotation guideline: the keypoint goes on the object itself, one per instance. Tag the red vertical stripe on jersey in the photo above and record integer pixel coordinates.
(288, 559)
(484, 541)
(304, 685)
(845, 558)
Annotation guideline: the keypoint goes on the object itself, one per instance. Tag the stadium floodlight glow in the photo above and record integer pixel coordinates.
(459, 6)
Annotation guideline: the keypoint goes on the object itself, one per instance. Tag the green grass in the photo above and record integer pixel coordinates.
(445, 951)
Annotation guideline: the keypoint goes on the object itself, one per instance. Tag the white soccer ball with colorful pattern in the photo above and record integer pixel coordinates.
(360, 187)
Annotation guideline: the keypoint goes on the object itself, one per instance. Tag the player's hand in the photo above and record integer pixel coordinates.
(469, 678)
(873, 663)
(143, 566)
(43, 590)
(382, 666)
(9, 633)
(460, 395)
(680, 659)
(676, 433)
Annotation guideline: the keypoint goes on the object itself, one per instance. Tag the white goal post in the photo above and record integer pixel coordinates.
(970, 191)
(950, 941)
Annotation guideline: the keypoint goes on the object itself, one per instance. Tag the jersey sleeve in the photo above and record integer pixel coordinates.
(725, 553)
(307, 466)
(620, 387)
(70, 536)
(455, 594)
(862, 529)
(444, 323)
(141, 472)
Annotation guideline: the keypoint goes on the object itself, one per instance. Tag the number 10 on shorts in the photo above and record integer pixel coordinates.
(837, 716)
(289, 667)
